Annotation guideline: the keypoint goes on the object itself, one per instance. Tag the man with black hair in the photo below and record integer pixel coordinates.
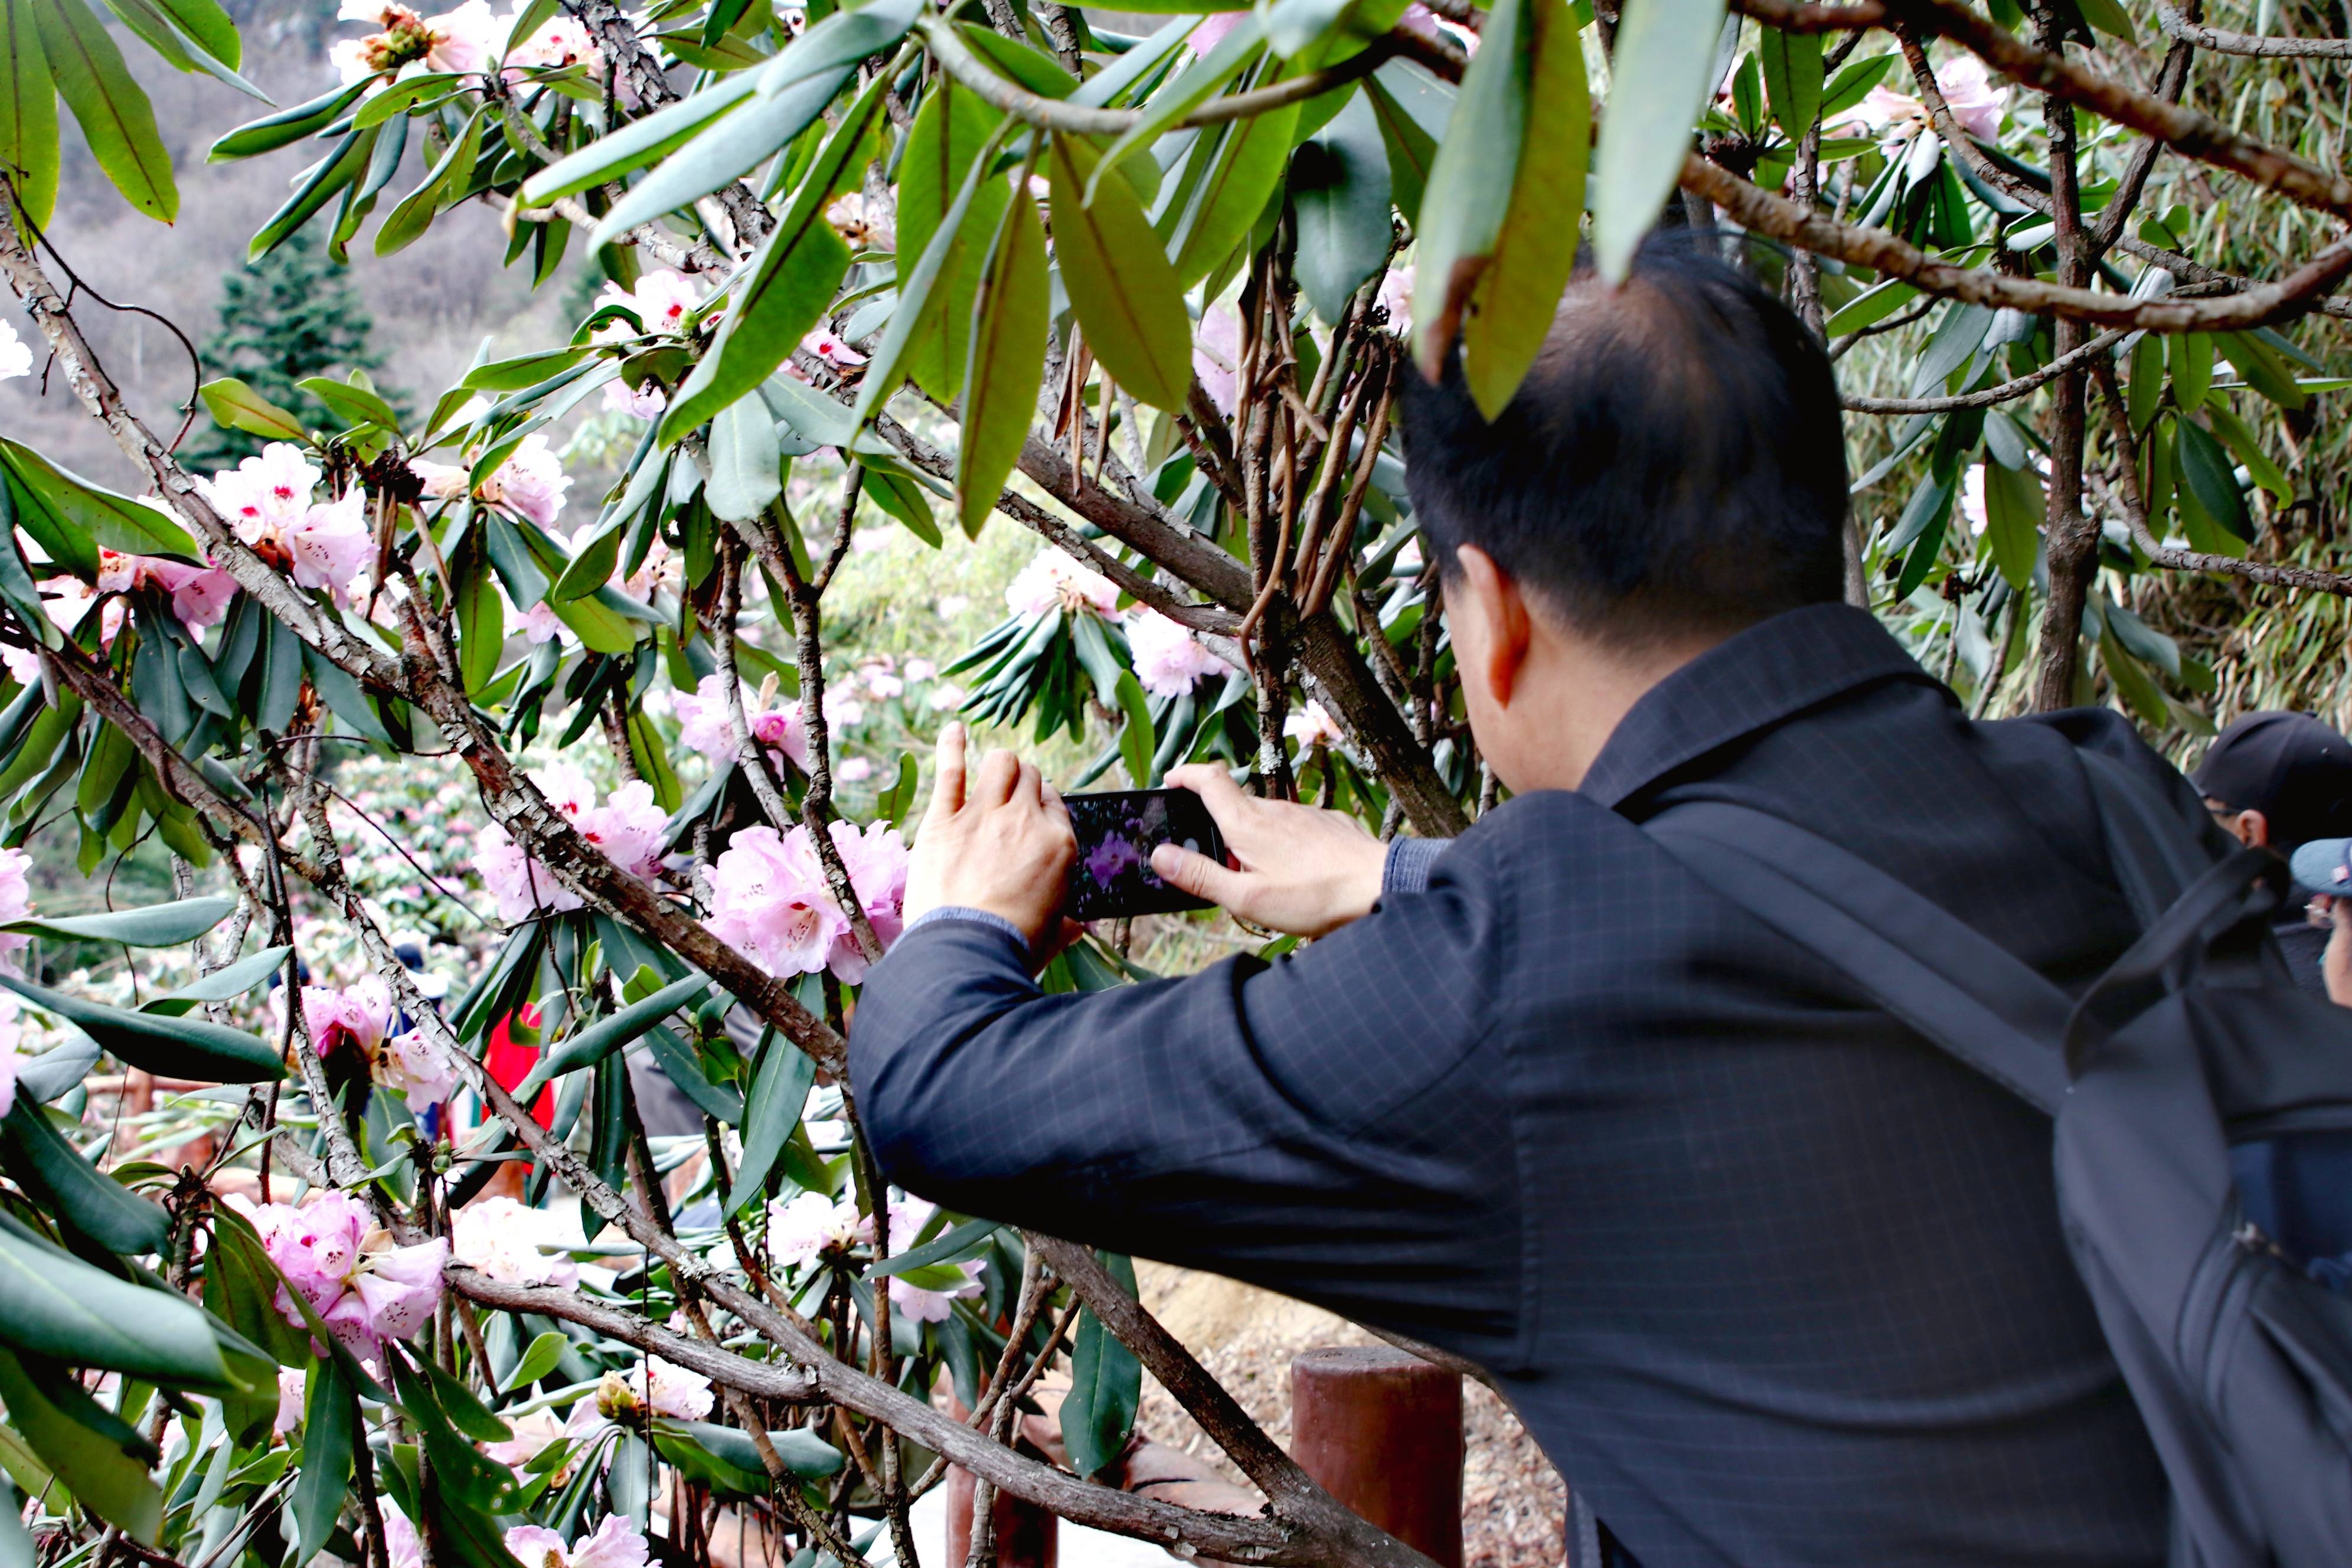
(2282, 780)
(1773, 1280)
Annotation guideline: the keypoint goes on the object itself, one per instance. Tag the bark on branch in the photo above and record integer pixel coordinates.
(2256, 45)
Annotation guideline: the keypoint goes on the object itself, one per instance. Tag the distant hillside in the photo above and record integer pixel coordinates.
(433, 303)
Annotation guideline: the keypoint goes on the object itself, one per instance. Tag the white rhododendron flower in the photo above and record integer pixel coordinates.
(1057, 580)
(15, 358)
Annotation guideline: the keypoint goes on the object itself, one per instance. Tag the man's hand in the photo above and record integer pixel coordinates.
(1002, 845)
(1301, 870)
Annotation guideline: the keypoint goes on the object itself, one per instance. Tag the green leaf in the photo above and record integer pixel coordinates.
(329, 1442)
(2145, 391)
(481, 615)
(918, 287)
(157, 925)
(1137, 740)
(204, 24)
(1470, 183)
(770, 1114)
(684, 1067)
(1412, 108)
(318, 186)
(96, 516)
(2205, 469)
(225, 984)
(791, 282)
(1853, 84)
(746, 460)
(52, 1412)
(601, 1038)
(288, 125)
(1240, 162)
(524, 371)
(1126, 297)
(2190, 357)
(175, 1047)
(635, 144)
(733, 147)
(2014, 508)
(237, 406)
(353, 404)
(1511, 307)
(1235, 53)
(1106, 1386)
(1004, 364)
(2253, 359)
(2247, 448)
(955, 1245)
(1659, 83)
(408, 221)
(117, 122)
(69, 1188)
(55, 1306)
(591, 567)
(1793, 78)
(28, 112)
(803, 1452)
(1340, 191)
(947, 136)
(841, 40)
(1871, 307)
(537, 1362)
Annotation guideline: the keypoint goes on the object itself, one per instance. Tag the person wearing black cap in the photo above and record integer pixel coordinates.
(2282, 780)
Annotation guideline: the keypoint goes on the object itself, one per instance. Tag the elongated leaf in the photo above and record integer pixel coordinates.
(841, 40)
(792, 279)
(746, 462)
(733, 147)
(1793, 78)
(1240, 48)
(69, 1187)
(225, 984)
(635, 144)
(53, 1304)
(115, 118)
(1412, 108)
(2014, 508)
(1659, 81)
(110, 1482)
(1006, 358)
(207, 26)
(329, 1442)
(1126, 295)
(918, 284)
(601, 1038)
(537, 1362)
(97, 515)
(28, 112)
(329, 174)
(1137, 740)
(56, 1070)
(947, 136)
(353, 404)
(408, 221)
(175, 1047)
(1106, 1386)
(272, 132)
(803, 1452)
(1340, 189)
(158, 925)
(2205, 470)
(237, 406)
(522, 371)
(1511, 308)
(1470, 183)
(770, 1114)
(1241, 165)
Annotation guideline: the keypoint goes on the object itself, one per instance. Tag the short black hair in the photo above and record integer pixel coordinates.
(1675, 462)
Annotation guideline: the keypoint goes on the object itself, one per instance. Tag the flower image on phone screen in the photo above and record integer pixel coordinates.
(1116, 831)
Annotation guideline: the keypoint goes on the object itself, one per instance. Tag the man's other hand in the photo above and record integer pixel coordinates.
(1000, 842)
(1299, 870)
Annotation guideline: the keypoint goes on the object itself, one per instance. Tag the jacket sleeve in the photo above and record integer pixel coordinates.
(1332, 1125)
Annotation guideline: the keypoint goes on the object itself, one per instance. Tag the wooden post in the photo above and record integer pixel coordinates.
(1381, 1431)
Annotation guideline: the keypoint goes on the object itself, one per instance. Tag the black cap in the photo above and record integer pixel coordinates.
(2292, 768)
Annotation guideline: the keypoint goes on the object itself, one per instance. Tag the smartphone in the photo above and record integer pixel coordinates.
(1117, 830)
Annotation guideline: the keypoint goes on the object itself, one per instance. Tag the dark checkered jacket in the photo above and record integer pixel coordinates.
(1773, 1281)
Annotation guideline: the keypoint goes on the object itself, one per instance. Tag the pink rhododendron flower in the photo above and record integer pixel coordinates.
(864, 225)
(401, 1547)
(1212, 32)
(200, 595)
(614, 1543)
(13, 1054)
(802, 1227)
(541, 623)
(415, 1068)
(531, 483)
(15, 358)
(1395, 296)
(645, 404)
(926, 1306)
(921, 670)
(1055, 580)
(627, 827)
(769, 899)
(1968, 89)
(267, 500)
(1312, 726)
(1168, 657)
(290, 1394)
(532, 1434)
(876, 857)
(561, 41)
(459, 40)
(854, 770)
(504, 1239)
(1217, 351)
(664, 300)
(704, 725)
(832, 349)
(16, 903)
(366, 1289)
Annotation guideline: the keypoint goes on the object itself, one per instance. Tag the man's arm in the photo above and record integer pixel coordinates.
(1330, 1125)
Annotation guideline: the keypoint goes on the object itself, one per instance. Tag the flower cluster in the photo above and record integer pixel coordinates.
(1968, 89)
(509, 1241)
(802, 1229)
(1055, 580)
(627, 827)
(770, 899)
(359, 1019)
(1168, 657)
(614, 1543)
(363, 1287)
(269, 500)
(531, 483)
(200, 595)
(705, 726)
(465, 41)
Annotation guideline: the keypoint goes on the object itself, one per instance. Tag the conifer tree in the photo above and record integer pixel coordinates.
(291, 315)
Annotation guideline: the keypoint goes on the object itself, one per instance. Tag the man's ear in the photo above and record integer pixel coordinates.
(1504, 631)
(2252, 827)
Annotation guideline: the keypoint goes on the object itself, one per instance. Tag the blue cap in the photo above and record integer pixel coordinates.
(2322, 867)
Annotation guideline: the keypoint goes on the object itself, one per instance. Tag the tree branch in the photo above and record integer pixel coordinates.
(2257, 45)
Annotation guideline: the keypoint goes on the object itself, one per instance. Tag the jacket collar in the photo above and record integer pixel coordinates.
(1763, 675)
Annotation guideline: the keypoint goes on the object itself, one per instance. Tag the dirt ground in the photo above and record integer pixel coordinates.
(1514, 1506)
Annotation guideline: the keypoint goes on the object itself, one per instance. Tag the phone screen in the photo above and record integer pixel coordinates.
(1117, 830)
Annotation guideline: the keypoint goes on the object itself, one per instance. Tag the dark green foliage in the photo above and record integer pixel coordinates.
(291, 314)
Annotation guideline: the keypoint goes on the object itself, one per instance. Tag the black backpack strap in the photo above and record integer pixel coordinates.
(1960, 989)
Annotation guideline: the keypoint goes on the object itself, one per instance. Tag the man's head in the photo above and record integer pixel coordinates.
(2280, 779)
(1672, 471)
